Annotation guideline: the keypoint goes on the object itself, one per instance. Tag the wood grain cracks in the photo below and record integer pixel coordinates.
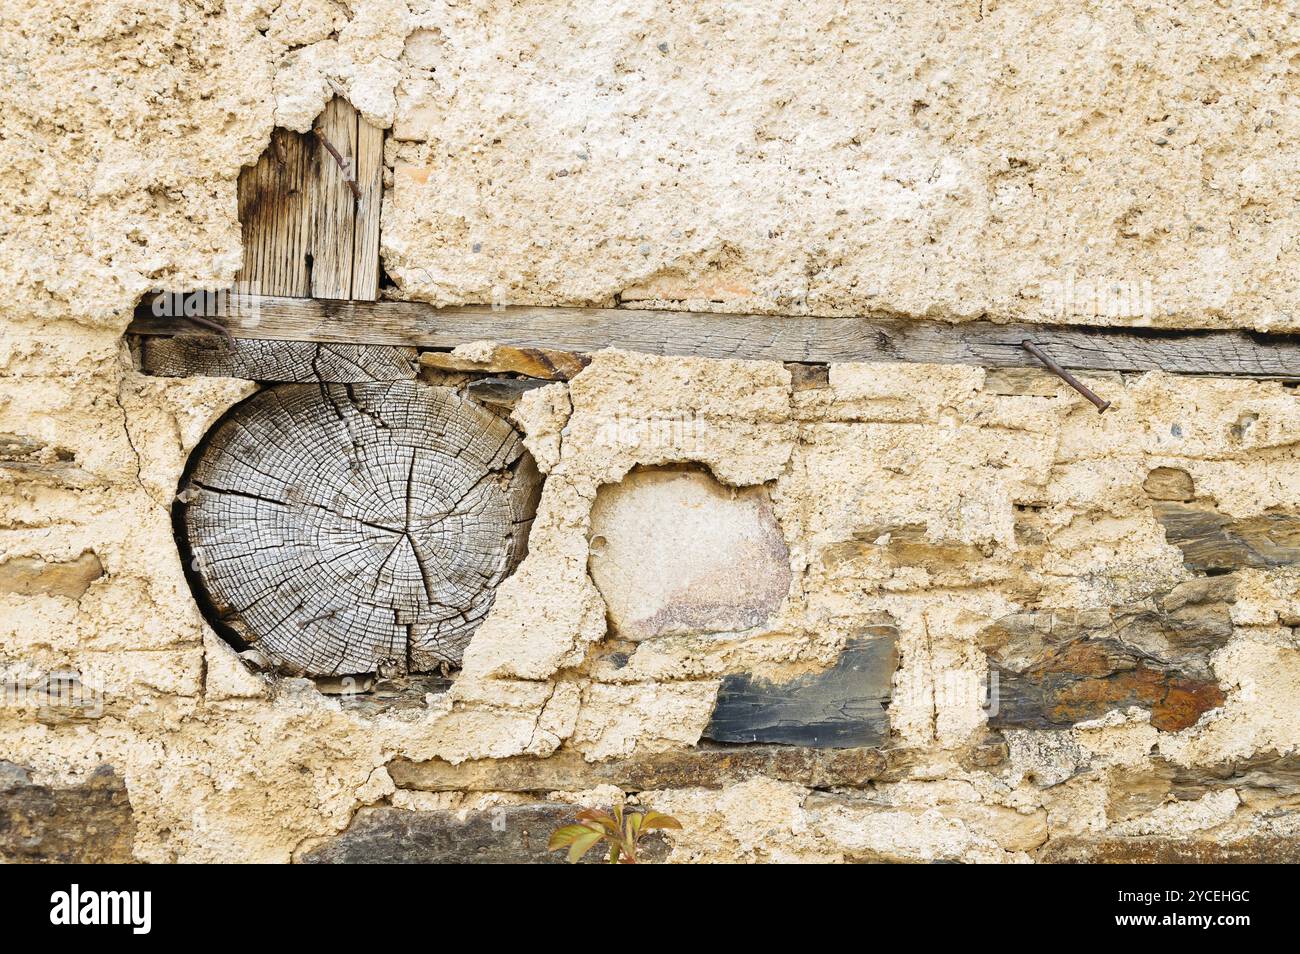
(309, 212)
(345, 529)
(275, 361)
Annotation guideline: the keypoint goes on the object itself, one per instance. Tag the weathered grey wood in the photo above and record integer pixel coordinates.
(842, 707)
(357, 528)
(370, 179)
(755, 337)
(305, 232)
(273, 211)
(332, 205)
(256, 360)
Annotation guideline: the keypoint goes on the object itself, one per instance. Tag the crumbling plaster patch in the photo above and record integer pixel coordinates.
(1030, 160)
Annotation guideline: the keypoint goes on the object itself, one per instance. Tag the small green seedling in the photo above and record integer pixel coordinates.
(622, 833)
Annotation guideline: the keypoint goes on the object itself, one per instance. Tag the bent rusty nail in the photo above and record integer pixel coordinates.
(1065, 376)
(211, 325)
(343, 166)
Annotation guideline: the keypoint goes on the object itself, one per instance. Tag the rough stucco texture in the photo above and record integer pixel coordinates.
(1100, 163)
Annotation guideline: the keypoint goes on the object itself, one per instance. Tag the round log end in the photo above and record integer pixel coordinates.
(343, 529)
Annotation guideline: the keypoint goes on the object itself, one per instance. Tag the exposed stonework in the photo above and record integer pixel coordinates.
(700, 767)
(846, 705)
(485, 356)
(1058, 668)
(1169, 483)
(921, 162)
(31, 576)
(87, 823)
(1211, 540)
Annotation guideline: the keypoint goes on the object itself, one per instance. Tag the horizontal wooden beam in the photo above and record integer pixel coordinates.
(751, 337)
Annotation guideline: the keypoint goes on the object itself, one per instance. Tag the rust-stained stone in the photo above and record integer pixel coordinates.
(34, 576)
(675, 551)
(546, 363)
(1212, 541)
(91, 823)
(1056, 668)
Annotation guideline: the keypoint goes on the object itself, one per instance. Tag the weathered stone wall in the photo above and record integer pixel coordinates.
(1127, 582)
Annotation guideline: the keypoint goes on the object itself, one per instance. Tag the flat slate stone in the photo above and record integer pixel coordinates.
(1157, 850)
(683, 768)
(1212, 541)
(843, 707)
(509, 834)
(90, 823)
(1054, 668)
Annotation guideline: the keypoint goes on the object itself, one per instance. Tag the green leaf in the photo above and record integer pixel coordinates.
(563, 837)
(594, 817)
(659, 820)
(582, 844)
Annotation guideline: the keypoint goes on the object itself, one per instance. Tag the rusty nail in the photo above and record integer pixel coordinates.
(1065, 376)
(211, 325)
(343, 166)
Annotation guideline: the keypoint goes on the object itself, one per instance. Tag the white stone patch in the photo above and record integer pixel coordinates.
(674, 551)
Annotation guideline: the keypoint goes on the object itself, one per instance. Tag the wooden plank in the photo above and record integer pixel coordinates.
(370, 178)
(750, 337)
(306, 233)
(273, 218)
(256, 360)
(333, 204)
